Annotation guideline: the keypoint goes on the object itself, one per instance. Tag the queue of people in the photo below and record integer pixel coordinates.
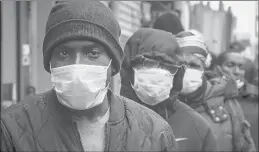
(166, 102)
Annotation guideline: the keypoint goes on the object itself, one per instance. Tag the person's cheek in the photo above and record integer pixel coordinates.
(227, 71)
(243, 74)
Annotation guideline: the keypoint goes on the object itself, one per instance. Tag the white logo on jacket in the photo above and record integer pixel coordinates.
(180, 139)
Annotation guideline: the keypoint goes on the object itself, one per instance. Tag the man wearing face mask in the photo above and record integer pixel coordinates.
(214, 100)
(81, 51)
(152, 75)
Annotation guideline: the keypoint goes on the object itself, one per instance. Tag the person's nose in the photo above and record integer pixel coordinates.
(237, 71)
(80, 58)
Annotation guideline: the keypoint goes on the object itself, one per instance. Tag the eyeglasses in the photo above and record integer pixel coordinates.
(143, 62)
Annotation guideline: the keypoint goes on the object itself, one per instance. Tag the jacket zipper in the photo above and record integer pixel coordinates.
(107, 139)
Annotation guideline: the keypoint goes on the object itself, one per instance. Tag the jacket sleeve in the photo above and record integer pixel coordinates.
(241, 129)
(248, 143)
(209, 143)
(167, 140)
(6, 144)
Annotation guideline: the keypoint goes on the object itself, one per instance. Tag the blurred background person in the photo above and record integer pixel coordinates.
(169, 22)
(31, 91)
(152, 74)
(213, 100)
(234, 65)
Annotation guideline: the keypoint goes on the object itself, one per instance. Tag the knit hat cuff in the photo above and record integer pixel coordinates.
(81, 30)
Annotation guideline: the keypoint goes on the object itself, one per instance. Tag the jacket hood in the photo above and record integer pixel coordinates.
(169, 22)
(150, 43)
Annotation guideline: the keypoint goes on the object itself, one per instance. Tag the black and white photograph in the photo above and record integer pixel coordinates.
(135, 76)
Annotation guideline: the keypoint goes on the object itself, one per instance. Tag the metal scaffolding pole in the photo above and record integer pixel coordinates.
(1, 52)
(18, 49)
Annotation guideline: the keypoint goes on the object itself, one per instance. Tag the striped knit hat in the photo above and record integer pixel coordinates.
(193, 39)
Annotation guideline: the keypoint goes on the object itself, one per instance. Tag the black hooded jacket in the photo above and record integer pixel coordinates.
(192, 132)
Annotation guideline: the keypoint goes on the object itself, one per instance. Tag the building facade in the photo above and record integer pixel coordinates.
(204, 19)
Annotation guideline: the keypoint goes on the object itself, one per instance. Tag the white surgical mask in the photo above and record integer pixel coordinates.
(153, 86)
(192, 80)
(80, 86)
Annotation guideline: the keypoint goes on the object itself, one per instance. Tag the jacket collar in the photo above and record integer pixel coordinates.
(64, 114)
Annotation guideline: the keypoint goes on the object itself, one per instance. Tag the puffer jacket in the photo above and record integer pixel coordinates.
(248, 99)
(42, 124)
(192, 132)
(250, 109)
(218, 105)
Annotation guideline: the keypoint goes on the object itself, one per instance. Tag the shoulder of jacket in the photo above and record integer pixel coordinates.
(25, 102)
(147, 119)
(24, 109)
(233, 104)
(152, 124)
(201, 125)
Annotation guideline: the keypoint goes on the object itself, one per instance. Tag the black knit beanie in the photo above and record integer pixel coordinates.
(169, 22)
(87, 20)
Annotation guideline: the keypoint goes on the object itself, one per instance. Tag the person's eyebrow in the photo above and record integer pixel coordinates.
(62, 47)
(92, 46)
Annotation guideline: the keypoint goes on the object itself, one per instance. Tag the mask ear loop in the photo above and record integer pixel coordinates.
(109, 63)
(109, 83)
(134, 76)
(50, 66)
(50, 72)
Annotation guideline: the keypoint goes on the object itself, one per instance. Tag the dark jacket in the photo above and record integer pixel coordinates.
(187, 123)
(248, 99)
(191, 130)
(217, 104)
(43, 124)
(250, 109)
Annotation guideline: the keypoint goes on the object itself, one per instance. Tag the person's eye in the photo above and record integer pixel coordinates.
(63, 54)
(94, 54)
(194, 65)
(229, 64)
(242, 67)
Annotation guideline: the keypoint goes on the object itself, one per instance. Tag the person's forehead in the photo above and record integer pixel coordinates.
(190, 49)
(79, 43)
(234, 57)
(187, 56)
